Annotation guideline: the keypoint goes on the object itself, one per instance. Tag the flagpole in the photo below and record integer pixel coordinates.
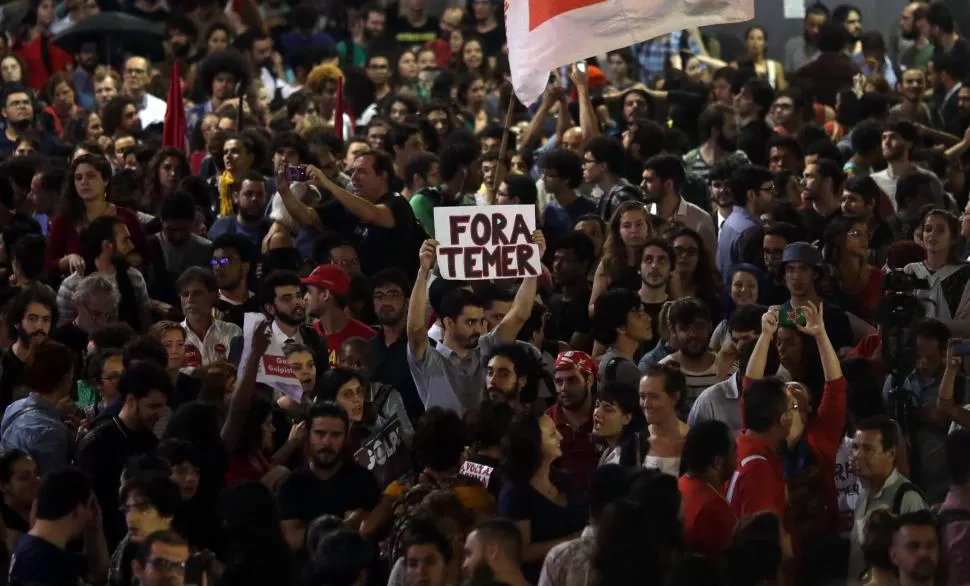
(503, 149)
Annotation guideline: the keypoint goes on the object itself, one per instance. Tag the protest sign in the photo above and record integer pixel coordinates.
(385, 454)
(274, 369)
(487, 242)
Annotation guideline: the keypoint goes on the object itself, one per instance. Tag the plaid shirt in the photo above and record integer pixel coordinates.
(652, 55)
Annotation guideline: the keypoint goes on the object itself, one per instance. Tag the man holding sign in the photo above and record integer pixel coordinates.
(452, 375)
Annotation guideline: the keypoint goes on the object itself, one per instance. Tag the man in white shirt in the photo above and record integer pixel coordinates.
(151, 110)
(207, 339)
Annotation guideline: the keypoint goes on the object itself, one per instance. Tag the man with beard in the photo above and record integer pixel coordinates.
(753, 189)
(722, 198)
(388, 355)
(718, 130)
(777, 235)
(915, 48)
(18, 113)
(332, 483)
(144, 391)
(281, 297)
(803, 49)
(575, 380)
(137, 75)
(183, 38)
(29, 318)
(899, 138)
(83, 76)
(656, 264)
(690, 331)
(510, 370)
(258, 46)
(663, 178)
(207, 339)
(233, 257)
(821, 191)
(326, 300)
(452, 373)
(367, 31)
(915, 549)
(801, 266)
(942, 32)
(250, 219)
(493, 554)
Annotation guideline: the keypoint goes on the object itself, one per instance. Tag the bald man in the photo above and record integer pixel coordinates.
(138, 74)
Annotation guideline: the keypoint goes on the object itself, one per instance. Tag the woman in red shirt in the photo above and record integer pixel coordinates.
(85, 199)
(708, 460)
(248, 460)
(41, 56)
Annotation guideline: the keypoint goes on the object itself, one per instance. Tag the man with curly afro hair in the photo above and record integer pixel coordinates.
(219, 75)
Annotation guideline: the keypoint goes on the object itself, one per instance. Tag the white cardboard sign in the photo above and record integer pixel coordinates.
(487, 242)
(274, 368)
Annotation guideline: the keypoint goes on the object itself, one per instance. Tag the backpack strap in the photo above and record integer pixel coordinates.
(737, 474)
(947, 516)
(901, 492)
(611, 367)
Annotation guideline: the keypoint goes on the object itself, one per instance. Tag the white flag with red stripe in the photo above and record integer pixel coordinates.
(546, 34)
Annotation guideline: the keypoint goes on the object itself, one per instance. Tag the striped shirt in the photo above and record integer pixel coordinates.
(697, 383)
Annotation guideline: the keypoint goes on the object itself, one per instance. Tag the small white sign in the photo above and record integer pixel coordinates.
(274, 368)
(794, 8)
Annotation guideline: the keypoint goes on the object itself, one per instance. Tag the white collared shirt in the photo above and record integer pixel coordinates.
(211, 348)
(280, 337)
(151, 111)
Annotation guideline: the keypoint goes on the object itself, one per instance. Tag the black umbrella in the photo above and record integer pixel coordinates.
(115, 30)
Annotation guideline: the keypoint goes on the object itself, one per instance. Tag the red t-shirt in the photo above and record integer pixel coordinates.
(580, 454)
(760, 483)
(354, 329)
(708, 518)
(245, 469)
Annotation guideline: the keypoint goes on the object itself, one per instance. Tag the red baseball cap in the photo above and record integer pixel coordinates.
(329, 277)
(581, 360)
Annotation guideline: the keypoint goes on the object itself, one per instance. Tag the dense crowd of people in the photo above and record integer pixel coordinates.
(236, 361)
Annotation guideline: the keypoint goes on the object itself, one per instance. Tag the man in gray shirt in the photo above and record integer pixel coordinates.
(801, 50)
(452, 373)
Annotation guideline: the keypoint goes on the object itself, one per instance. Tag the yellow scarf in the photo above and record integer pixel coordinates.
(225, 196)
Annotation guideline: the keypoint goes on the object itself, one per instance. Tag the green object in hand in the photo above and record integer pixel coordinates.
(792, 317)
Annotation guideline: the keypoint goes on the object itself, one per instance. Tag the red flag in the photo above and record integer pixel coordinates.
(338, 110)
(175, 132)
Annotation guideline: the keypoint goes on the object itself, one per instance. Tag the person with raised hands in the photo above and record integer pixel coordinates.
(808, 454)
(452, 374)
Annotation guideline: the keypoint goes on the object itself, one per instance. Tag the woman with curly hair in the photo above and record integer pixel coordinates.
(546, 510)
(164, 172)
(322, 83)
(629, 229)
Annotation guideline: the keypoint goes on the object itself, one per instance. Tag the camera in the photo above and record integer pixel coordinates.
(898, 281)
(296, 173)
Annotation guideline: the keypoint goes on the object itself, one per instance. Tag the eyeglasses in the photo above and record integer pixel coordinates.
(222, 262)
(112, 378)
(165, 565)
(98, 316)
(858, 234)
